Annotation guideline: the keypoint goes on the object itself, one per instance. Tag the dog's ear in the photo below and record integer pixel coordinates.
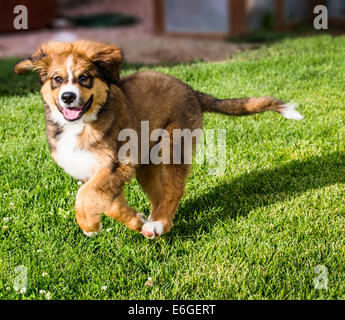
(107, 58)
(42, 58)
(23, 66)
(39, 61)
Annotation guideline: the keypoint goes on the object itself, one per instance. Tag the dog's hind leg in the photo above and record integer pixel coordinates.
(150, 179)
(161, 219)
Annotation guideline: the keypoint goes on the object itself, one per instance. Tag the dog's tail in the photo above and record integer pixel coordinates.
(248, 106)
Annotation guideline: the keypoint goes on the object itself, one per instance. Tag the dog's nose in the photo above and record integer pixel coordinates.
(68, 97)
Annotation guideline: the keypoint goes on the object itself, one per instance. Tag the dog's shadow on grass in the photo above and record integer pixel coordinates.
(258, 189)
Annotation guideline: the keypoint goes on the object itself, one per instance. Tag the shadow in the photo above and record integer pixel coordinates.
(259, 189)
(271, 36)
(129, 66)
(103, 20)
(12, 84)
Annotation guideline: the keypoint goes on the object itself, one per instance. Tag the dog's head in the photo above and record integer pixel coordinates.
(75, 77)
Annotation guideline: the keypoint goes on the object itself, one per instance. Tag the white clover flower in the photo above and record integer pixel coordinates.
(22, 290)
(6, 219)
(39, 250)
(104, 288)
(149, 282)
(42, 291)
(48, 295)
(44, 274)
(11, 205)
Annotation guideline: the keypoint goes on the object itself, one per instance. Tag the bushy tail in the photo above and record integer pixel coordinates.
(248, 106)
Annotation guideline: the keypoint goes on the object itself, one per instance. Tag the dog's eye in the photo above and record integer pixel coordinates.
(83, 79)
(58, 79)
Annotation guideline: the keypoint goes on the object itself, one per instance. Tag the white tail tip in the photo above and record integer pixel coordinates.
(289, 111)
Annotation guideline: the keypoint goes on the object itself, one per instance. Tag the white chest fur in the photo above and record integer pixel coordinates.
(77, 162)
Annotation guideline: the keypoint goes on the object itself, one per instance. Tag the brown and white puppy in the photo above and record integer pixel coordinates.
(86, 107)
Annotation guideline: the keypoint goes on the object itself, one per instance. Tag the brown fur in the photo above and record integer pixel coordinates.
(123, 103)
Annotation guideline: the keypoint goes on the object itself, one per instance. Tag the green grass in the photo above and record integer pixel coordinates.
(256, 232)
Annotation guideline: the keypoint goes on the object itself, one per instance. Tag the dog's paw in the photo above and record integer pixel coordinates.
(152, 229)
(95, 233)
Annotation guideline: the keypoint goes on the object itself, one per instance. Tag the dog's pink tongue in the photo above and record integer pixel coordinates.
(72, 113)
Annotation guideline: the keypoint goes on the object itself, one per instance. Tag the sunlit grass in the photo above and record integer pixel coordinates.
(257, 232)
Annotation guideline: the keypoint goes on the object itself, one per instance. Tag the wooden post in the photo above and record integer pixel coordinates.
(158, 15)
(279, 9)
(238, 17)
(40, 14)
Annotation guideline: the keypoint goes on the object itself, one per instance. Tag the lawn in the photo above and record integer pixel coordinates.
(256, 232)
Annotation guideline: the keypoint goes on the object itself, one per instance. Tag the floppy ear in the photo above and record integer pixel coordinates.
(39, 61)
(23, 66)
(108, 58)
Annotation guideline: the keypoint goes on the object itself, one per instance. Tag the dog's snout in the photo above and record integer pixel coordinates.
(68, 97)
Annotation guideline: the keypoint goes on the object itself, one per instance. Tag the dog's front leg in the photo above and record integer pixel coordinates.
(96, 196)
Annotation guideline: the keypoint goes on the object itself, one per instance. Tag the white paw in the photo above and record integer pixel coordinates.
(289, 111)
(95, 233)
(152, 229)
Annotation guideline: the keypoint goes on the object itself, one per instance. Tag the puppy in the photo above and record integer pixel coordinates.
(88, 105)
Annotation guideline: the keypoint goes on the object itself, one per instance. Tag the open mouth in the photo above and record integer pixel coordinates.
(73, 114)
